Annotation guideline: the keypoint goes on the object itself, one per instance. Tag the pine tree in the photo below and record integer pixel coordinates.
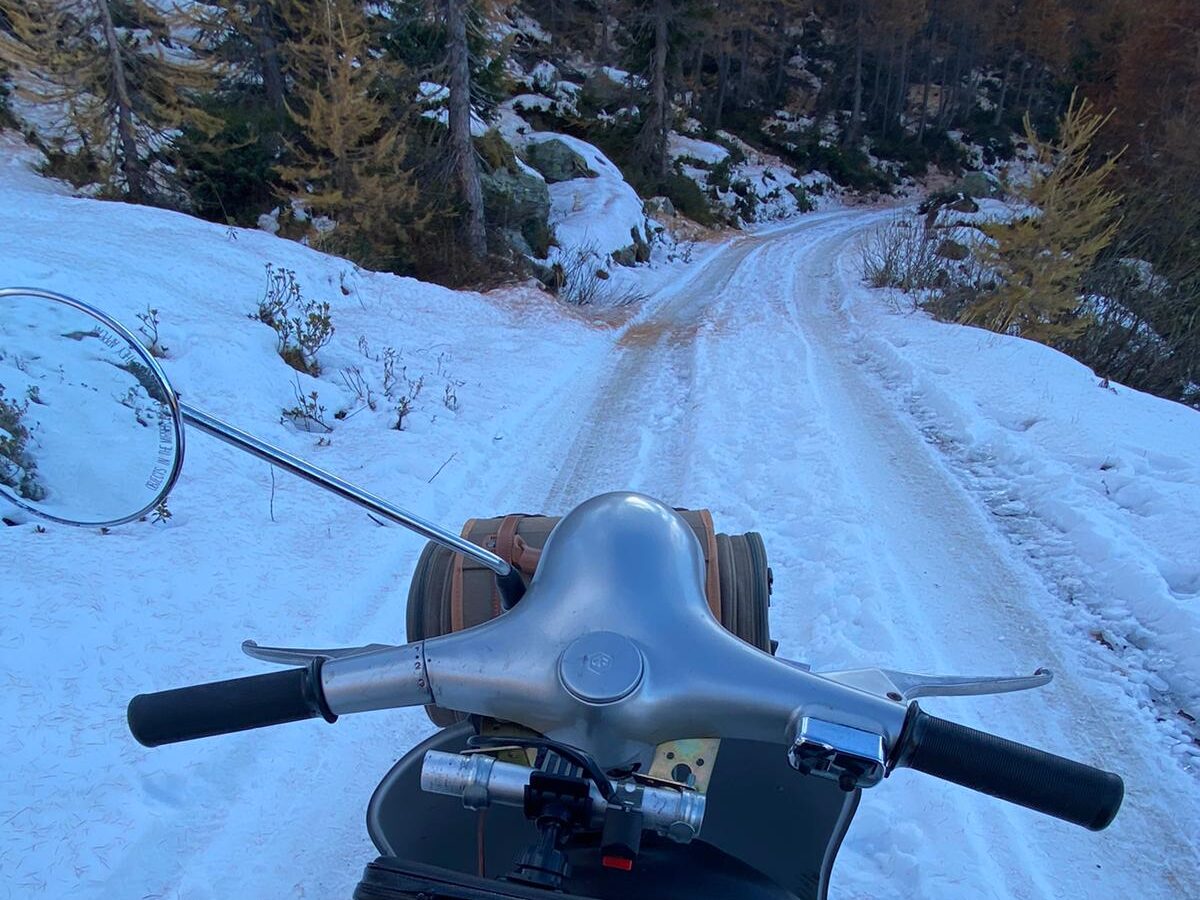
(230, 175)
(1042, 258)
(115, 79)
(349, 164)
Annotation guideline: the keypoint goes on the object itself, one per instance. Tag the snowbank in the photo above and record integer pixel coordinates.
(1099, 482)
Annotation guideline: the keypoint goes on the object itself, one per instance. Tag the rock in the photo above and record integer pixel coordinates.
(517, 241)
(952, 249)
(953, 200)
(637, 252)
(557, 162)
(978, 184)
(641, 249)
(518, 202)
(625, 256)
(552, 277)
(601, 92)
(963, 204)
(602, 274)
(661, 206)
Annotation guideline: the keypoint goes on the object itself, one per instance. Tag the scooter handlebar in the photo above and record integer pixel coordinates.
(1014, 772)
(224, 707)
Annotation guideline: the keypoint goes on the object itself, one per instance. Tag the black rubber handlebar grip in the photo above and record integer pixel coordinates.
(1014, 772)
(223, 707)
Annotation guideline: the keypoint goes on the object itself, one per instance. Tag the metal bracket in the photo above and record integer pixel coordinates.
(904, 686)
(300, 656)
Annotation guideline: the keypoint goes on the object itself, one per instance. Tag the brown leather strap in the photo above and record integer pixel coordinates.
(712, 574)
(524, 557)
(456, 584)
(506, 536)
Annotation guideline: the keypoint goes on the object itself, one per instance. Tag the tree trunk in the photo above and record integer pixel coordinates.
(131, 164)
(924, 106)
(875, 91)
(999, 116)
(604, 8)
(855, 130)
(462, 150)
(655, 133)
(722, 88)
(268, 56)
(777, 95)
(902, 93)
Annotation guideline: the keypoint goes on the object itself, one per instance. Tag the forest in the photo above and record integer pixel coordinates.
(366, 128)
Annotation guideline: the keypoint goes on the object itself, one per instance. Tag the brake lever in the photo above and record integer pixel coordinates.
(300, 656)
(905, 686)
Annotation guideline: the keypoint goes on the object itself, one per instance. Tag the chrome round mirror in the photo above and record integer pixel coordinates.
(90, 429)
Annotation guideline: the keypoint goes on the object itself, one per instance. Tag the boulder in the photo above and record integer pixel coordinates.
(641, 249)
(661, 206)
(556, 161)
(978, 184)
(624, 257)
(952, 249)
(518, 201)
(601, 92)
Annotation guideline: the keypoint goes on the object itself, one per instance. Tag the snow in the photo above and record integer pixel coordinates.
(1109, 473)
(545, 75)
(931, 497)
(531, 101)
(432, 94)
(620, 76)
(679, 145)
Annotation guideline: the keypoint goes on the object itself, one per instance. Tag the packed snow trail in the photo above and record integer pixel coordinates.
(741, 391)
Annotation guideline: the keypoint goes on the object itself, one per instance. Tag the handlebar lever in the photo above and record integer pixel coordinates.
(905, 686)
(300, 656)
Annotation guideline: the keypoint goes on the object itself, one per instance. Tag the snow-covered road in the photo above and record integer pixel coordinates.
(748, 386)
(742, 389)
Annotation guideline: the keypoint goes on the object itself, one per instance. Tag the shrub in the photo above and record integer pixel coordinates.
(583, 281)
(901, 255)
(496, 151)
(302, 326)
(17, 467)
(804, 203)
(308, 414)
(688, 199)
(149, 330)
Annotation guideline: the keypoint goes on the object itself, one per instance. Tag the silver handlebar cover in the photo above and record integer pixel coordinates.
(613, 650)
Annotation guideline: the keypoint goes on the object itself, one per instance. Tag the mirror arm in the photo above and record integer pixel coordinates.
(344, 489)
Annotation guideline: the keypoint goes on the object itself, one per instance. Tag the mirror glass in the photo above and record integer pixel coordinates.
(90, 432)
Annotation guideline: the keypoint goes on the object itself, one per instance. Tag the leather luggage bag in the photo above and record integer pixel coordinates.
(449, 592)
